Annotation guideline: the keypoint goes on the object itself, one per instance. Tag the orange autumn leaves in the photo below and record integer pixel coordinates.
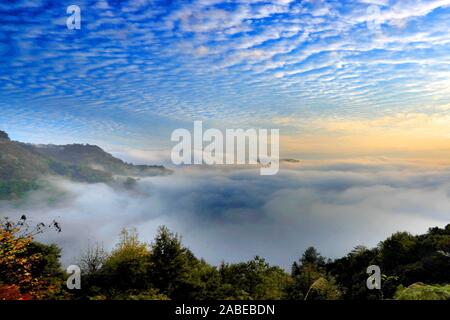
(16, 265)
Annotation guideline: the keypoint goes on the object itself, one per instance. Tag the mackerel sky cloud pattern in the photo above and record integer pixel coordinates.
(240, 61)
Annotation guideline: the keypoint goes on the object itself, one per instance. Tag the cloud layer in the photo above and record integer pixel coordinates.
(243, 60)
(236, 214)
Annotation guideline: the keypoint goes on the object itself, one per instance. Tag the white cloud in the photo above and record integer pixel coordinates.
(234, 215)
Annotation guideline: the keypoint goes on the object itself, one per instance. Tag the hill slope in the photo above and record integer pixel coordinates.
(94, 157)
(22, 164)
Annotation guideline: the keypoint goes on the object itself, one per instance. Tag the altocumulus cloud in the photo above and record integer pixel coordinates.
(233, 215)
(235, 60)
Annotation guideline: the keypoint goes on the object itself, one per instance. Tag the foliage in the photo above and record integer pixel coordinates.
(413, 267)
(404, 259)
(12, 292)
(14, 189)
(27, 269)
(420, 291)
(170, 264)
(123, 270)
(150, 294)
(255, 280)
(93, 260)
(22, 165)
(350, 273)
(310, 279)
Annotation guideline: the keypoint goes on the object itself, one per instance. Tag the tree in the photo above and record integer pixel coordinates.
(202, 281)
(312, 256)
(170, 263)
(126, 267)
(421, 291)
(254, 279)
(397, 250)
(93, 260)
(324, 286)
(310, 279)
(350, 273)
(27, 269)
(48, 268)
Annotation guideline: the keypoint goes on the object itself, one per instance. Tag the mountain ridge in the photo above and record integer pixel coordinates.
(22, 164)
(4, 135)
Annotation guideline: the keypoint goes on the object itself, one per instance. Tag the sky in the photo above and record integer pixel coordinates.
(340, 79)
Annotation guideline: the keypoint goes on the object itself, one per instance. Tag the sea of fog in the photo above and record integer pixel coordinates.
(233, 215)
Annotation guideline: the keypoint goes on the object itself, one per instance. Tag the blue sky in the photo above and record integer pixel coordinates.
(138, 69)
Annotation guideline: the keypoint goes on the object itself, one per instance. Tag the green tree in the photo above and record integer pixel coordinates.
(202, 281)
(254, 279)
(421, 291)
(310, 279)
(169, 263)
(126, 267)
(398, 250)
(350, 273)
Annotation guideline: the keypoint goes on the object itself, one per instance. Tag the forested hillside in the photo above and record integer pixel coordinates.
(96, 158)
(413, 267)
(21, 165)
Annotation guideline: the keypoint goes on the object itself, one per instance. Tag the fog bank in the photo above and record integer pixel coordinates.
(233, 215)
